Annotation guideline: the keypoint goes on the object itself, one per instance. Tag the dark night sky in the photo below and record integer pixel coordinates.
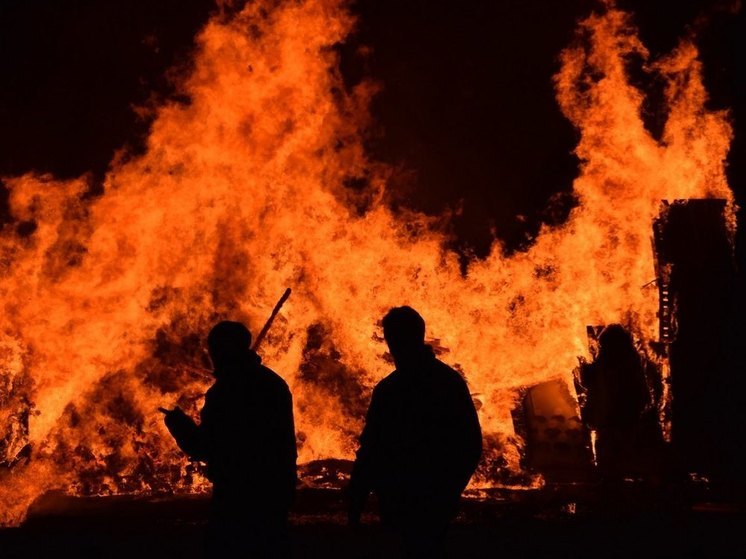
(467, 106)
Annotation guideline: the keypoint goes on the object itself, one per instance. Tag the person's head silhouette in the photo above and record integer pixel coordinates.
(615, 343)
(404, 332)
(228, 343)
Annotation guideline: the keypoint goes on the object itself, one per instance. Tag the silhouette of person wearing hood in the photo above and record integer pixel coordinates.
(421, 442)
(620, 408)
(247, 438)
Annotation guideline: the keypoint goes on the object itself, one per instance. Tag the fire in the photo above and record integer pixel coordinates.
(241, 193)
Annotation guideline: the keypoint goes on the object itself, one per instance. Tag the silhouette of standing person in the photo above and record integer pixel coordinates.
(421, 442)
(247, 438)
(619, 407)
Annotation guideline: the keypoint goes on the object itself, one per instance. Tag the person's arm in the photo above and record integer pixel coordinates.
(470, 434)
(187, 434)
(459, 436)
(287, 440)
(361, 479)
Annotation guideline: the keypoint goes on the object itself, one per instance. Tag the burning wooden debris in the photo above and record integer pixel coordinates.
(242, 191)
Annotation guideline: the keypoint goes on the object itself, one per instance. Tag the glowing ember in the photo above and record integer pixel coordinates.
(241, 194)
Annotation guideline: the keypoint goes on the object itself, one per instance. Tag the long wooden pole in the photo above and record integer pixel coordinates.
(271, 319)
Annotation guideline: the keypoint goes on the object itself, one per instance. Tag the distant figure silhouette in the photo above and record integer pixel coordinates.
(421, 442)
(620, 408)
(247, 438)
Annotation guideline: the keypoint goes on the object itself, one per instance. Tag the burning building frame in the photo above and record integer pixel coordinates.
(243, 188)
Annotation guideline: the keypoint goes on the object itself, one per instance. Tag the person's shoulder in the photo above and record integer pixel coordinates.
(448, 374)
(387, 383)
(272, 379)
(216, 388)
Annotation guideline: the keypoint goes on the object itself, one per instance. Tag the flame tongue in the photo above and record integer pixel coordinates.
(241, 193)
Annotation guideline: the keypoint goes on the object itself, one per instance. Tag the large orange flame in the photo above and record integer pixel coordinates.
(241, 194)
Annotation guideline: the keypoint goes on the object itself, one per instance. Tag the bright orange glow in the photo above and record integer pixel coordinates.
(240, 194)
